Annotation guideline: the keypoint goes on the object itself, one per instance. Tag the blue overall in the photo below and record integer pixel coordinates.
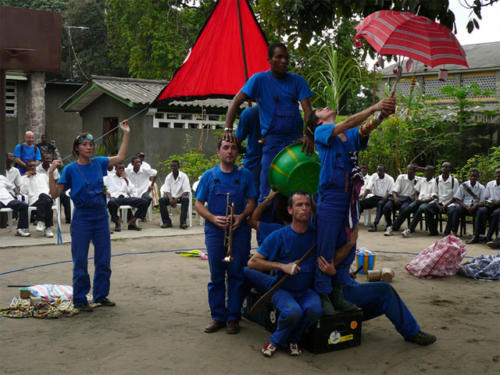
(214, 239)
(334, 197)
(280, 119)
(90, 223)
(299, 306)
(249, 130)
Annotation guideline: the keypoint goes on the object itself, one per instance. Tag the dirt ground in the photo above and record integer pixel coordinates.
(157, 325)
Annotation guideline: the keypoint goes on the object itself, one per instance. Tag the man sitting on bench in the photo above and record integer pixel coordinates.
(298, 304)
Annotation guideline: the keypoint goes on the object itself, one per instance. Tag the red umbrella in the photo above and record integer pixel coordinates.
(405, 34)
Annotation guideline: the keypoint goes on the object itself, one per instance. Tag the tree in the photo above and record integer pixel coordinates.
(303, 20)
(152, 37)
(51, 5)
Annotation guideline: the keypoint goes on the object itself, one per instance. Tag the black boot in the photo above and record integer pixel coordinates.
(338, 301)
(326, 305)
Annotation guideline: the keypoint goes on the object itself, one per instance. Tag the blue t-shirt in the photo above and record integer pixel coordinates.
(334, 155)
(265, 229)
(72, 178)
(264, 88)
(285, 246)
(27, 153)
(249, 129)
(206, 185)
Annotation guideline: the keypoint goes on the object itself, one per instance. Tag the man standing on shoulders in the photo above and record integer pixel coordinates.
(298, 304)
(278, 93)
(27, 151)
(446, 187)
(177, 189)
(221, 187)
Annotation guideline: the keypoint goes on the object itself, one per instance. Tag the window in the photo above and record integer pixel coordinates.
(11, 99)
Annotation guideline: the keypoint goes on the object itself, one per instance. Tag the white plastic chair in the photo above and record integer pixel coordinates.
(9, 212)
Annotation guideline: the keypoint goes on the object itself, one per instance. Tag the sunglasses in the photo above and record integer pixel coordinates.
(87, 137)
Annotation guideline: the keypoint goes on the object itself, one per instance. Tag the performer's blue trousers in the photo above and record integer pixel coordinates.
(90, 225)
(332, 211)
(298, 310)
(377, 298)
(214, 240)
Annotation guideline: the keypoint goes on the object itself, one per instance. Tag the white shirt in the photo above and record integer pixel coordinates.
(33, 186)
(446, 189)
(466, 197)
(381, 186)
(14, 177)
(176, 187)
(405, 186)
(140, 179)
(118, 186)
(491, 192)
(366, 179)
(41, 170)
(5, 187)
(426, 189)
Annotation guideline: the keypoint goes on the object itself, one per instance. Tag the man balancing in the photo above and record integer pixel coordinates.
(338, 195)
(221, 187)
(299, 306)
(278, 93)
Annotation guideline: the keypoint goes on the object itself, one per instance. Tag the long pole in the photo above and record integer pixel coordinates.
(3, 132)
(242, 41)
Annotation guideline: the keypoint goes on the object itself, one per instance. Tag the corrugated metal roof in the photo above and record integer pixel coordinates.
(130, 91)
(482, 56)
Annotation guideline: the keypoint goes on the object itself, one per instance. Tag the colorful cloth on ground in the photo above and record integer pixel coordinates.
(483, 267)
(442, 258)
(22, 308)
(51, 292)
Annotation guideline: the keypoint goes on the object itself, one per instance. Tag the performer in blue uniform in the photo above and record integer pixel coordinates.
(337, 203)
(249, 129)
(375, 298)
(90, 219)
(299, 306)
(278, 93)
(213, 188)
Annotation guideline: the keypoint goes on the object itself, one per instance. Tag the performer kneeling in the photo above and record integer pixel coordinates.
(90, 220)
(299, 306)
(221, 187)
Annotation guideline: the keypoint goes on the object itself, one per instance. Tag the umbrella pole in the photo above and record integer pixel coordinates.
(242, 42)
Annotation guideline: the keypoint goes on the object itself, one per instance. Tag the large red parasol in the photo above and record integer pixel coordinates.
(405, 34)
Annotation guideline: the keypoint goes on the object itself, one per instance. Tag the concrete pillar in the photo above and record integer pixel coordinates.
(35, 111)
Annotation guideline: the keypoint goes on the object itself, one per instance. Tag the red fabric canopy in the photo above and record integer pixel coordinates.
(214, 67)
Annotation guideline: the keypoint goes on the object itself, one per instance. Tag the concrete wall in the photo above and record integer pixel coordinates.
(61, 126)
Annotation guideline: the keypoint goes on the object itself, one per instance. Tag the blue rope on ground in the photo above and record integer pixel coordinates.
(168, 251)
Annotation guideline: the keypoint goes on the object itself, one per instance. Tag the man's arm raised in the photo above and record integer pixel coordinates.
(231, 115)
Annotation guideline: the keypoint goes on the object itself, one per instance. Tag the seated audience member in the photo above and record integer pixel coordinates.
(489, 208)
(298, 304)
(446, 187)
(426, 190)
(366, 179)
(47, 148)
(65, 200)
(35, 187)
(381, 186)
(403, 194)
(140, 176)
(27, 151)
(21, 208)
(121, 192)
(144, 164)
(375, 298)
(13, 174)
(467, 200)
(176, 188)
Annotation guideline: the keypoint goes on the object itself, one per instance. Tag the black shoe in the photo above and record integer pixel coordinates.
(84, 308)
(338, 301)
(183, 226)
(422, 338)
(326, 305)
(214, 326)
(373, 228)
(473, 240)
(495, 244)
(166, 225)
(134, 227)
(118, 227)
(106, 302)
